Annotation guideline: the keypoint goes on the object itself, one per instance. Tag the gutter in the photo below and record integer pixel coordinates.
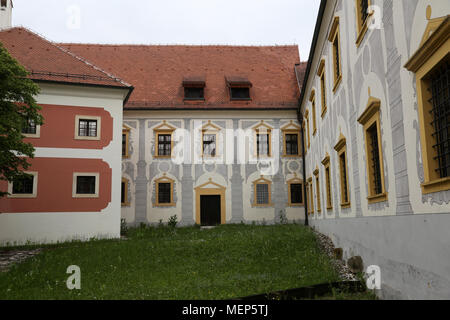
(323, 4)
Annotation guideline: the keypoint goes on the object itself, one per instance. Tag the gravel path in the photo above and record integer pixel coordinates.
(8, 258)
(327, 246)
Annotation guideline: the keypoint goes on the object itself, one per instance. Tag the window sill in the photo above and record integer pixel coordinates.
(127, 204)
(436, 186)
(270, 205)
(162, 157)
(346, 205)
(291, 156)
(87, 138)
(294, 205)
(337, 83)
(22, 196)
(165, 205)
(85, 196)
(382, 197)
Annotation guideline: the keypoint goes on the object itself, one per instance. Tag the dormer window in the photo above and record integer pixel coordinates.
(194, 88)
(239, 88)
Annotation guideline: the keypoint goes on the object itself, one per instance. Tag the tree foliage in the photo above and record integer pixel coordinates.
(17, 107)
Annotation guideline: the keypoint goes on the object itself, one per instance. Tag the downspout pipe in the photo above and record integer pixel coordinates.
(300, 120)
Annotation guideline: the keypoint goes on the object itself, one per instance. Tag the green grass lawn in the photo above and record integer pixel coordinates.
(227, 262)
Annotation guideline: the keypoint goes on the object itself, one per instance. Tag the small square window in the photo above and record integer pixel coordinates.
(240, 93)
(30, 127)
(24, 187)
(87, 128)
(194, 93)
(85, 185)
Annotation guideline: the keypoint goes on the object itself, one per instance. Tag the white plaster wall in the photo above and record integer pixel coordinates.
(19, 228)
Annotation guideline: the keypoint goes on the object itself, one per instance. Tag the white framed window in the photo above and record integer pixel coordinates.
(25, 187)
(85, 185)
(32, 130)
(88, 127)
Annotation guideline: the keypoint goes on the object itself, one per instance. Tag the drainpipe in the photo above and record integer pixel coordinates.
(300, 120)
(305, 200)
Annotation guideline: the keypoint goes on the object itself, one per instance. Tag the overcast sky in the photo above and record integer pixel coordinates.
(235, 22)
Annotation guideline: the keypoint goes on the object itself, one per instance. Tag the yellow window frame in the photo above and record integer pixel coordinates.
(290, 182)
(164, 179)
(127, 202)
(163, 129)
(433, 50)
(335, 39)
(362, 26)
(370, 117)
(326, 164)
(323, 86)
(341, 149)
(318, 198)
(126, 132)
(262, 181)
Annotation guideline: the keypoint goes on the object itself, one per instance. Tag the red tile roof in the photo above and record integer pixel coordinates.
(157, 73)
(48, 62)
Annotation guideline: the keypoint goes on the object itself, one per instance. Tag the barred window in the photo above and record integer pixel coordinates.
(209, 145)
(374, 155)
(296, 193)
(440, 111)
(123, 193)
(262, 194)
(124, 144)
(30, 127)
(86, 184)
(164, 193)
(164, 144)
(364, 7)
(337, 57)
(328, 186)
(87, 128)
(291, 144)
(262, 144)
(23, 185)
(344, 186)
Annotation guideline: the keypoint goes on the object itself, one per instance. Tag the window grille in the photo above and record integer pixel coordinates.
(87, 128)
(262, 194)
(164, 144)
(440, 110)
(164, 193)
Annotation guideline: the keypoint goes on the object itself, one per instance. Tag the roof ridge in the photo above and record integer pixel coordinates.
(175, 45)
(107, 74)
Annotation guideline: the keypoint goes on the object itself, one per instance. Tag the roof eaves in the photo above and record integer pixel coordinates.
(322, 7)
